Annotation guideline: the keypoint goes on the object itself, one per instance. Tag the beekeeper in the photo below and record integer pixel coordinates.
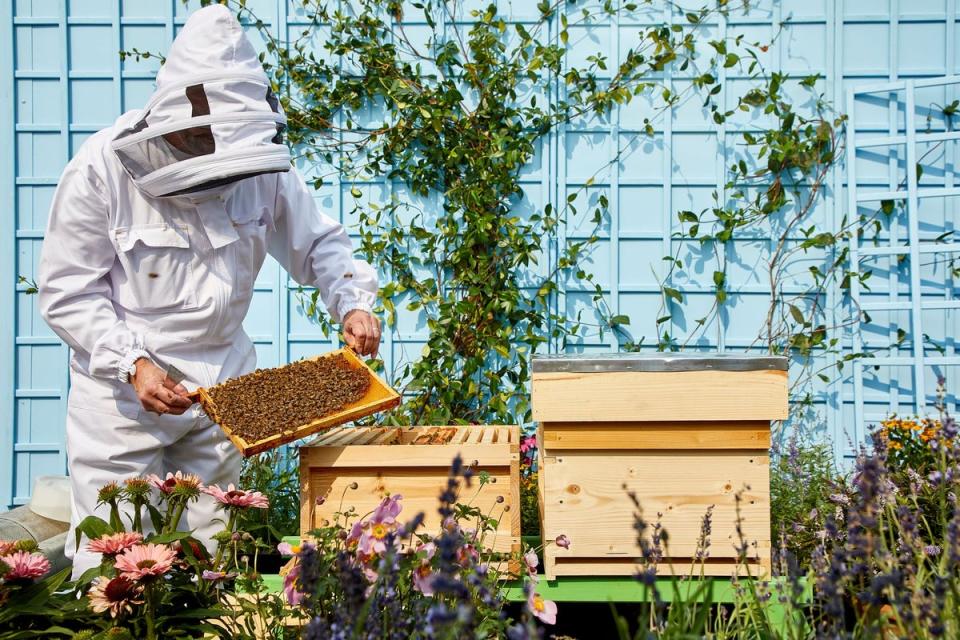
(157, 231)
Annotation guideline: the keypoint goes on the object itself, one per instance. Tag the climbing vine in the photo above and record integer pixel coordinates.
(447, 117)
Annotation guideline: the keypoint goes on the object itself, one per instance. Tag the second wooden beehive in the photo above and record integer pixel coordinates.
(683, 434)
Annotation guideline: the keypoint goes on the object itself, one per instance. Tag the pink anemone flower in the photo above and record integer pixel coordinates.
(145, 561)
(532, 562)
(25, 566)
(115, 543)
(388, 510)
(234, 497)
(544, 610)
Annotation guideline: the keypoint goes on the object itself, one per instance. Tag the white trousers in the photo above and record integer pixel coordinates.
(111, 438)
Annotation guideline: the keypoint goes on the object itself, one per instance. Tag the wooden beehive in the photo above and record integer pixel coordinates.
(413, 462)
(378, 397)
(681, 431)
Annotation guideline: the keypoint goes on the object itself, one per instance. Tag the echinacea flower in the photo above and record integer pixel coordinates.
(116, 595)
(109, 493)
(136, 488)
(234, 497)
(7, 547)
(145, 561)
(114, 543)
(25, 566)
(179, 481)
(544, 610)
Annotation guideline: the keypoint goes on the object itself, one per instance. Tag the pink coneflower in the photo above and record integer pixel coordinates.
(117, 595)
(173, 481)
(7, 547)
(145, 561)
(112, 544)
(234, 497)
(25, 566)
(544, 610)
(528, 443)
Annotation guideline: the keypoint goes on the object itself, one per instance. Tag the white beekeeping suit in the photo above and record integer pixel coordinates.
(158, 228)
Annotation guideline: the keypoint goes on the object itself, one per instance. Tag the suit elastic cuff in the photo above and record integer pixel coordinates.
(126, 363)
(346, 307)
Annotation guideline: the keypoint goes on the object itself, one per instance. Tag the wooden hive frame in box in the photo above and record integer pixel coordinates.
(680, 432)
(413, 462)
(378, 397)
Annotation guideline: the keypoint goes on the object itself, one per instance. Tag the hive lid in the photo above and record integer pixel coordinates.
(647, 362)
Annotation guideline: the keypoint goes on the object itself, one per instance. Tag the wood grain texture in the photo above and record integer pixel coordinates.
(656, 435)
(623, 396)
(416, 471)
(679, 567)
(584, 495)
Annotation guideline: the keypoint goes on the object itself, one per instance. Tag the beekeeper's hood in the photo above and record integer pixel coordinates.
(213, 119)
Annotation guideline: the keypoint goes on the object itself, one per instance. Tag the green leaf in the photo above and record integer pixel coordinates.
(92, 527)
(619, 320)
(355, 192)
(673, 293)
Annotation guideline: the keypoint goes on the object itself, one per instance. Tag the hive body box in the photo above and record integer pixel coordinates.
(414, 462)
(683, 432)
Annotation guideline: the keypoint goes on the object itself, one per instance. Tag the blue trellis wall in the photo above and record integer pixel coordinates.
(61, 79)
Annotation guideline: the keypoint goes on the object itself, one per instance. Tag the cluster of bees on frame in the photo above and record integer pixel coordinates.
(268, 402)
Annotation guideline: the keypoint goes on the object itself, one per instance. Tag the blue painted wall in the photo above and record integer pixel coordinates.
(61, 79)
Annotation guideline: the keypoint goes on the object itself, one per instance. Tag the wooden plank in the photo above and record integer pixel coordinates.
(325, 437)
(409, 456)
(623, 396)
(680, 568)
(341, 438)
(386, 437)
(503, 435)
(358, 434)
(419, 489)
(657, 435)
(487, 435)
(584, 496)
(475, 434)
(462, 434)
(368, 436)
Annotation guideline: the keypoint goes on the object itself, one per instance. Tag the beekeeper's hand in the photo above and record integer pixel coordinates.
(362, 332)
(158, 393)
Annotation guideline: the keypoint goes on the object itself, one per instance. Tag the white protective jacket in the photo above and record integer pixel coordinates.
(128, 270)
(157, 231)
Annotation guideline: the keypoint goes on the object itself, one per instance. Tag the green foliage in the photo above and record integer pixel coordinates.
(802, 479)
(465, 109)
(276, 476)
